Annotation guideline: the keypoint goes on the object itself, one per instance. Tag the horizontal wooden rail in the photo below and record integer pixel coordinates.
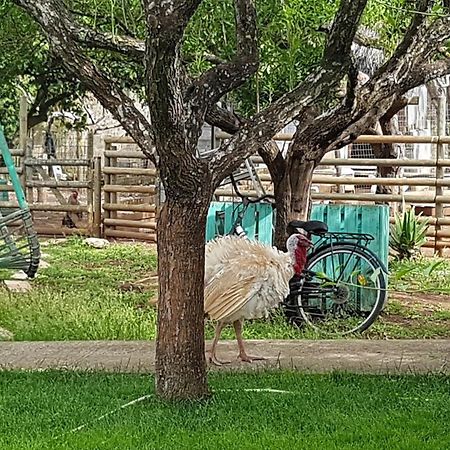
(231, 193)
(131, 154)
(17, 152)
(437, 244)
(330, 179)
(408, 197)
(131, 235)
(324, 179)
(56, 162)
(129, 223)
(129, 188)
(129, 171)
(61, 208)
(125, 207)
(368, 138)
(47, 207)
(385, 162)
(4, 170)
(432, 221)
(6, 187)
(372, 162)
(59, 184)
(60, 231)
(421, 198)
(119, 140)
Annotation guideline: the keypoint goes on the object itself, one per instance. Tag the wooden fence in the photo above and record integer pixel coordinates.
(122, 201)
(131, 218)
(433, 202)
(33, 173)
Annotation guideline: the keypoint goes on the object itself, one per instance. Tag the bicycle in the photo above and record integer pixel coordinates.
(343, 287)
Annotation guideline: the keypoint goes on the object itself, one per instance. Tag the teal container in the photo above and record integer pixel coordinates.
(371, 219)
(259, 220)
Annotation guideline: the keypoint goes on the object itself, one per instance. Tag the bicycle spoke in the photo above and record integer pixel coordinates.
(343, 292)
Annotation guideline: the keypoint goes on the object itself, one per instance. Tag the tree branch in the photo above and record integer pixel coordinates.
(86, 36)
(63, 36)
(170, 16)
(263, 126)
(124, 45)
(38, 113)
(343, 31)
(230, 123)
(410, 64)
(226, 120)
(225, 77)
(413, 34)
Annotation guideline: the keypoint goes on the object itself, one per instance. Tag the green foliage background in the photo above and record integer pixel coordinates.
(290, 47)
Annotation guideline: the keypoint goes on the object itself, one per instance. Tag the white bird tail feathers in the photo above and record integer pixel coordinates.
(244, 279)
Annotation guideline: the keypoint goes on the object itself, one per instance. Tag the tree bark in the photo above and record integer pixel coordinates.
(282, 192)
(293, 195)
(300, 177)
(180, 347)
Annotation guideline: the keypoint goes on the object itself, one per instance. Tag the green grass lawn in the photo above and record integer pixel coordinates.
(79, 297)
(335, 411)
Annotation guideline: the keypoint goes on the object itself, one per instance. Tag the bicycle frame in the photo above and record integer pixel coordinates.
(351, 240)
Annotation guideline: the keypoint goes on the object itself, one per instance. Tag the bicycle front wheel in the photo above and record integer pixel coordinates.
(344, 290)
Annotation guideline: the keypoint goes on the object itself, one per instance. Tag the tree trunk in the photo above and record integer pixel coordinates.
(300, 178)
(282, 192)
(180, 347)
(293, 195)
(388, 151)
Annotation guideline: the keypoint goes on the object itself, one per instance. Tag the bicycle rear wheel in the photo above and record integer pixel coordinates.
(343, 291)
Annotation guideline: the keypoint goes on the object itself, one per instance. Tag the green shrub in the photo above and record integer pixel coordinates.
(407, 234)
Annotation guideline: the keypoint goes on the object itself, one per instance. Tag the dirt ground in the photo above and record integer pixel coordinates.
(377, 356)
(423, 301)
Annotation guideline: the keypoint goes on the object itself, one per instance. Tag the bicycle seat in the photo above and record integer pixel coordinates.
(311, 226)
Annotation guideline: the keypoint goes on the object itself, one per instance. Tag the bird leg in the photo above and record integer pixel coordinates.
(212, 353)
(242, 353)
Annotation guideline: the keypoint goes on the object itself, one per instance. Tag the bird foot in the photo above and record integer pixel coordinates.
(248, 358)
(217, 362)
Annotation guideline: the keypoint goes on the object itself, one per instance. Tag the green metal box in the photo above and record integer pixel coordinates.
(259, 220)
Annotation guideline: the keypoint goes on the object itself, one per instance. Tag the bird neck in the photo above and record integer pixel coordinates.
(299, 259)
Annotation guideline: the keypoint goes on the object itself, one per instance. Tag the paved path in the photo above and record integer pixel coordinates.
(397, 356)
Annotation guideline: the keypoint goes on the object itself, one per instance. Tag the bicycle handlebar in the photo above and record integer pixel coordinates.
(246, 198)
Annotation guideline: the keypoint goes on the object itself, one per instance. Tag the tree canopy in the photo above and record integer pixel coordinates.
(290, 43)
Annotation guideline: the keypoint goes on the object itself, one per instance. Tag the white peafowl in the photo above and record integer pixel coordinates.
(245, 280)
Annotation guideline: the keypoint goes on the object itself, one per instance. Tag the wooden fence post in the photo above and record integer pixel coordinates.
(107, 195)
(97, 197)
(23, 134)
(113, 180)
(440, 154)
(90, 178)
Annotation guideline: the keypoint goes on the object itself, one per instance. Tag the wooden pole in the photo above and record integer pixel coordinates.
(107, 195)
(403, 181)
(90, 176)
(97, 197)
(369, 138)
(113, 180)
(26, 174)
(77, 152)
(131, 235)
(440, 154)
